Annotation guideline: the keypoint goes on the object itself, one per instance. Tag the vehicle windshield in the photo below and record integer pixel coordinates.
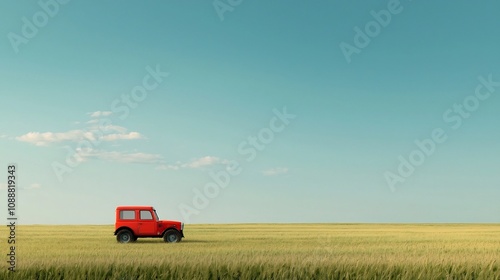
(156, 214)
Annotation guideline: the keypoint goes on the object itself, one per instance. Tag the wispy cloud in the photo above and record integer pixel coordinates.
(95, 131)
(116, 128)
(98, 114)
(93, 121)
(123, 157)
(47, 138)
(122, 136)
(275, 171)
(204, 161)
(194, 164)
(168, 167)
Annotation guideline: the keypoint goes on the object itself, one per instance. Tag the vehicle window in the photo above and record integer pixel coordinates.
(146, 215)
(127, 214)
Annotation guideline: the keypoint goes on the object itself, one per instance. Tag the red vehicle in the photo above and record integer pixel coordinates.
(142, 221)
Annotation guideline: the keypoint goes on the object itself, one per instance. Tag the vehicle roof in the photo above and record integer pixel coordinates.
(132, 207)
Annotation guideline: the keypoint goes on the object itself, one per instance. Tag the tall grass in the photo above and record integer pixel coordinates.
(262, 251)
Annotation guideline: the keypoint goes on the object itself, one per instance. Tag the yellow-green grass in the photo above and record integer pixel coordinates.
(261, 251)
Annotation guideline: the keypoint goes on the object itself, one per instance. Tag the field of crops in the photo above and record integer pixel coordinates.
(261, 251)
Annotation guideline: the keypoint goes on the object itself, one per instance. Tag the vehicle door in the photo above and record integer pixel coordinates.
(147, 224)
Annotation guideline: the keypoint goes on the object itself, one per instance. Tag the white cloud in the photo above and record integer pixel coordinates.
(275, 171)
(93, 121)
(95, 131)
(120, 156)
(45, 138)
(97, 114)
(201, 162)
(94, 126)
(117, 128)
(125, 136)
(168, 167)
(194, 164)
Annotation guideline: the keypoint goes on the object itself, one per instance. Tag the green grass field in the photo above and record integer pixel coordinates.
(261, 251)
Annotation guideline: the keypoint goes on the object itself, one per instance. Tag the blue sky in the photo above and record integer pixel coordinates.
(92, 119)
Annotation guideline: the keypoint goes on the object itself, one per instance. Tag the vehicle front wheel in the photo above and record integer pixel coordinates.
(125, 236)
(172, 236)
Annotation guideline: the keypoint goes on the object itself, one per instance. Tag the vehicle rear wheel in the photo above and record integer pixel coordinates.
(125, 236)
(172, 236)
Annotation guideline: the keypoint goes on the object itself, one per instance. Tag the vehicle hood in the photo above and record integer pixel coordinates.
(169, 223)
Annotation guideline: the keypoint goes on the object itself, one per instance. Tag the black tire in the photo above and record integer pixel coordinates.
(172, 236)
(125, 236)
